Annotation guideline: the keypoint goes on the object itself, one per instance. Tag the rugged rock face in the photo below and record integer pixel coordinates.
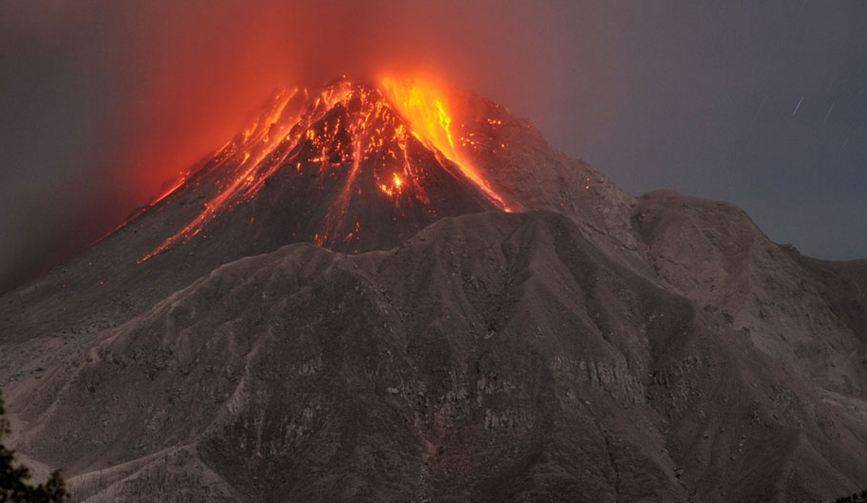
(791, 312)
(433, 348)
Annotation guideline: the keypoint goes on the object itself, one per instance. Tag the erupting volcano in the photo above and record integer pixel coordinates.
(394, 291)
(357, 154)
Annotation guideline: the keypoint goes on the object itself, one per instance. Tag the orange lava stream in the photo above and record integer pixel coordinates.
(424, 107)
(243, 184)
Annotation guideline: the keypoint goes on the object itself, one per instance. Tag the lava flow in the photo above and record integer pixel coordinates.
(347, 141)
(424, 107)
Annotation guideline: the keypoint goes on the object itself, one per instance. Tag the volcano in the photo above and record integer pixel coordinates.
(397, 291)
(336, 160)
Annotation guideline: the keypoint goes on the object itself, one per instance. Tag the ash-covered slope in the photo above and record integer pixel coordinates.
(658, 349)
(492, 357)
(808, 314)
(805, 316)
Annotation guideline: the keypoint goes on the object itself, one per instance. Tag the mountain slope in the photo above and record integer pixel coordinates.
(798, 310)
(492, 357)
(806, 317)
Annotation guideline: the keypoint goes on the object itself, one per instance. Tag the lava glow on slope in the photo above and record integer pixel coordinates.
(340, 127)
(424, 106)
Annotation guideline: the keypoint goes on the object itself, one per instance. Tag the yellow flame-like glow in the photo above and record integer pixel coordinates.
(424, 107)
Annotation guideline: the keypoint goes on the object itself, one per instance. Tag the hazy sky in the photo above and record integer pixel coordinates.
(763, 104)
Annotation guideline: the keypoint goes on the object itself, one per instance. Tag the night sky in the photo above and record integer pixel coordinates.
(763, 104)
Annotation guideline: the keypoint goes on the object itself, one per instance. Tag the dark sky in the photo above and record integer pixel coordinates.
(763, 104)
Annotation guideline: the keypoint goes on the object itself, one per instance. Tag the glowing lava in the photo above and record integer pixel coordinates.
(256, 142)
(424, 107)
(365, 139)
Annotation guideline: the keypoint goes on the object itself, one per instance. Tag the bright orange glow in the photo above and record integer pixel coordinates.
(424, 107)
(194, 80)
(395, 188)
(347, 131)
(171, 190)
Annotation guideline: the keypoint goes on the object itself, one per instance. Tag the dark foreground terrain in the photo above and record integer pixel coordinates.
(592, 347)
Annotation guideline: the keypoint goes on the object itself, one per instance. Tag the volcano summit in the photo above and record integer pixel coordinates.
(351, 155)
(394, 292)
